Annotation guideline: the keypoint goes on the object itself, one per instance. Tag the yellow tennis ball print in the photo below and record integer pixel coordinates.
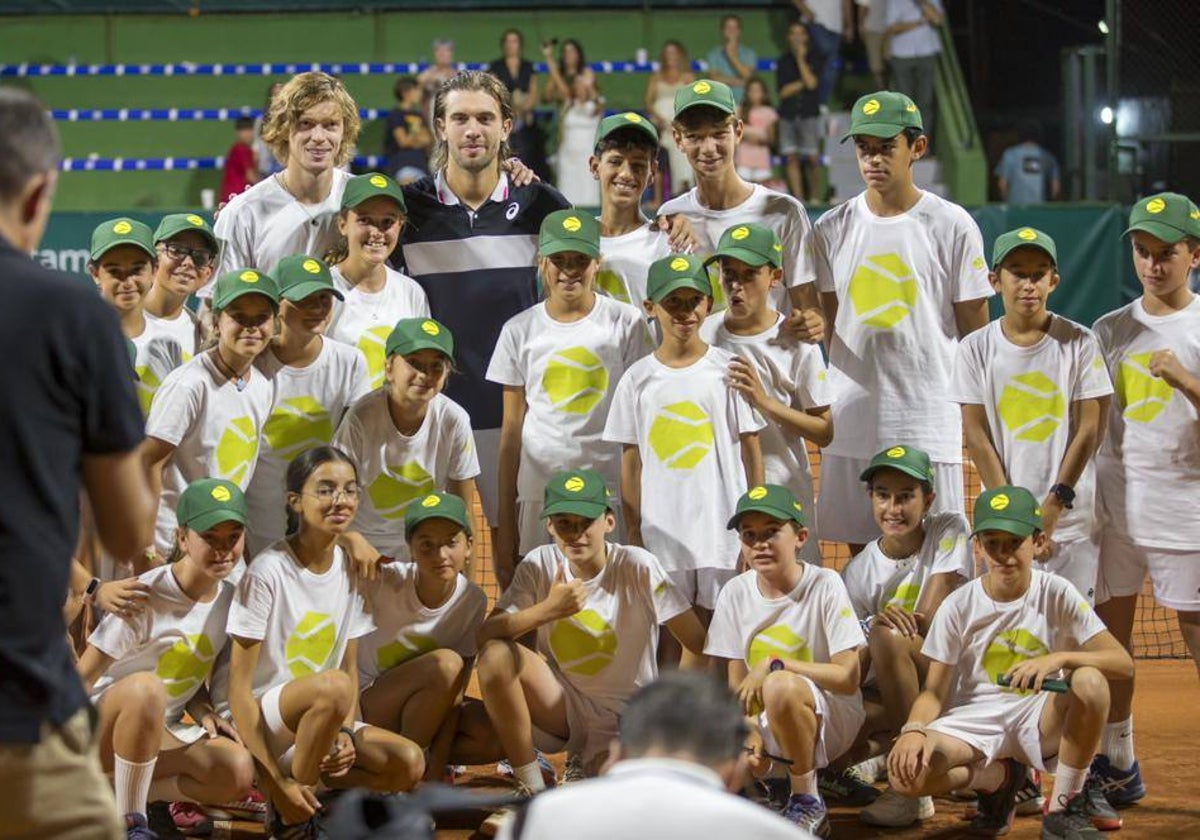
(757, 493)
(311, 266)
(430, 327)
(186, 664)
(680, 264)
(296, 424)
(194, 221)
(372, 343)
(701, 87)
(122, 227)
(905, 597)
(583, 644)
(571, 224)
(897, 452)
(681, 435)
(1142, 395)
(1032, 407)
(574, 484)
(394, 489)
(883, 291)
(779, 641)
(610, 283)
(740, 233)
(408, 646)
(575, 380)
(1156, 206)
(308, 647)
(248, 276)
(871, 106)
(221, 493)
(147, 385)
(999, 502)
(237, 449)
(1010, 648)
(378, 181)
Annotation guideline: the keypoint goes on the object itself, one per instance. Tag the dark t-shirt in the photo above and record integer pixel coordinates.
(398, 158)
(66, 393)
(520, 82)
(803, 104)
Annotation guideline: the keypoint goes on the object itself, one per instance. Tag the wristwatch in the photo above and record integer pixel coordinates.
(89, 593)
(776, 664)
(1065, 493)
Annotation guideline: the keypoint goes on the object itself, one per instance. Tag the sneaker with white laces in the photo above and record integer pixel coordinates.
(873, 769)
(846, 787)
(1071, 823)
(895, 810)
(809, 813)
(573, 770)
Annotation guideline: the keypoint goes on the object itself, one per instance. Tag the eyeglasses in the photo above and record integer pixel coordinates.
(330, 495)
(201, 257)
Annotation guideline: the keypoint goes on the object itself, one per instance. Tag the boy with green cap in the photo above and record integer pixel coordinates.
(407, 438)
(122, 263)
(207, 417)
(1034, 392)
(1149, 465)
(316, 380)
(707, 130)
(782, 378)
(187, 256)
(790, 638)
(989, 706)
(559, 363)
(690, 440)
(595, 606)
(902, 278)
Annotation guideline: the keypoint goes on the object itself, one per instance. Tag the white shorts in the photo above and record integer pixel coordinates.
(999, 730)
(280, 739)
(844, 509)
(1077, 561)
(839, 719)
(591, 727)
(701, 586)
(531, 527)
(487, 483)
(1123, 567)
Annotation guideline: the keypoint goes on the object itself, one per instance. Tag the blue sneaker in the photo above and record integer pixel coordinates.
(1120, 787)
(809, 813)
(138, 828)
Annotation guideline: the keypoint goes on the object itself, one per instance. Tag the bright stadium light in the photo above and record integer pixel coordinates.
(1106, 115)
(1103, 27)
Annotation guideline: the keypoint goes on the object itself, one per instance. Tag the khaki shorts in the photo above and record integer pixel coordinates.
(56, 787)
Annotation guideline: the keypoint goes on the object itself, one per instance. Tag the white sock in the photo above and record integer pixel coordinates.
(805, 783)
(167, 790)
(531, 775)
(1117, 743)
(1068, 781)
(131, 782)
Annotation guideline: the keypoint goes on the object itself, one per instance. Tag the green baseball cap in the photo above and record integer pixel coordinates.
(1024, 237)
(884, 113)
(244, 281)
(1013, 510)
(772, 499)
(752, 244)
(581, 492)
(569, 230)
(705, 92)
(627, 119)
(210, 501)
(1168, 216)
(362, 187)
(907, 459)
(121, 231)
(413, 334)
(177, 223)
(300, 275)
(677, 271)
(436, 506)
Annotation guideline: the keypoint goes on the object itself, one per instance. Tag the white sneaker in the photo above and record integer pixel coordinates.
(894, 810)
(873, 769)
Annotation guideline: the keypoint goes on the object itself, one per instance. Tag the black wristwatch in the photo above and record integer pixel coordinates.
(89, 594)
(776, 664)
(1065, 493)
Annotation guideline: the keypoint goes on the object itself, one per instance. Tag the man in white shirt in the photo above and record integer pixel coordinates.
(914, 43)
(670, 777)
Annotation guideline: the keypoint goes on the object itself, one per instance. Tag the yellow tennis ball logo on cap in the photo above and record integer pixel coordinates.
(740, 233)
(632, 117)
(308, 647)
(395, 488)
(311, 266)
(757, 493)
(221, 494)
(378, 181)
(573, 484)
(897, 452)
(248, 276)
(911, 108)
(1032, 406)
(680, 264)
(883, 291)
(122, 227)
(681, 435)
(575, 380)
(1142, 395)
(583, 644)
(777, 247)
(797, 506)
(1028, 234)
(194, 220)
(1156, 205)
(430, 328)
(701, 87)
(999, 502)
(871, 106)
(431, 500)
(572, 224)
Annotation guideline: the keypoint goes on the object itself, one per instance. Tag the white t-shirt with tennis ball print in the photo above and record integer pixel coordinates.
(304, 620)
(156, 356)
(608, 649)
(983, 638)
(897, 280)
(875, 580)
(686, 423)
(405, 628)
(365, 319)
(309, 404)
(625, 263)
(569, 372)
(183, 328)
(781, 213)
(1027, 393)
(266, 223)
(395, 470)
(174, 638)
(214, 427)
(793, 373)
(1149, 464)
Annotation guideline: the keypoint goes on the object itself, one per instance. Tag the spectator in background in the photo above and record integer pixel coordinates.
(872, 28)
(674, 71)
(570, 65)
(519, 77)
(753, 155)
(915, 42)
(1028, 173)
(406, 136)
(732, 62)
(268, 164)
(241, 168)
(432, 77)
(573, 84)
(829, 23)
(799, 114)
